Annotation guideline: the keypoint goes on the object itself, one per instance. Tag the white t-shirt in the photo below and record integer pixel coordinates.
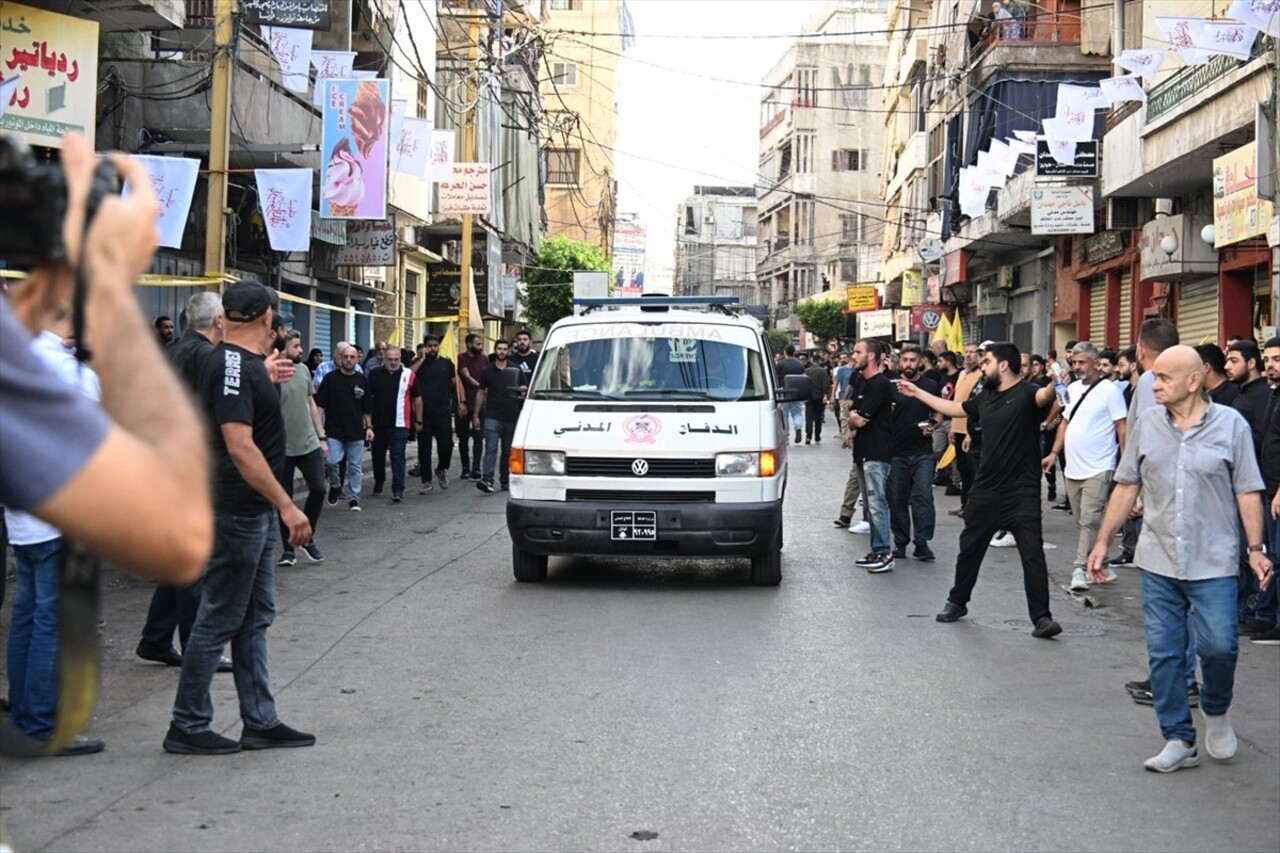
(26, 529)
(1092, 445)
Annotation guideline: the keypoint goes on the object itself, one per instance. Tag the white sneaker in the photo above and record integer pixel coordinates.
(1049, 546)
(1109, 575)
(1080, 581)
(1175, 756)
(1005, 541)
(1219, 737)
(860, 527)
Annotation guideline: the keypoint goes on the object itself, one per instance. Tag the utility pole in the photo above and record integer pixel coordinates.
(215, 246)
(468, 156)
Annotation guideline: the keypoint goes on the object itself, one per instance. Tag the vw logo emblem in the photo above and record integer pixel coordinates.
(639, 467)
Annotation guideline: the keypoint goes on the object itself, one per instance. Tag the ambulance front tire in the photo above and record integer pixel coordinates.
(766, 568)
(528, 568)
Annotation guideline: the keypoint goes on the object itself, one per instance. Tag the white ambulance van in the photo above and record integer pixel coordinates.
(652, 427)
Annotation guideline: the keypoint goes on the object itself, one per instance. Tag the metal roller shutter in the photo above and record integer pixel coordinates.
(324, 329)
(1126, 310)
(1098, 311)
(1198, 312)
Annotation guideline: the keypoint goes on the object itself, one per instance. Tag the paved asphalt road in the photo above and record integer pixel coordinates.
(458, 710)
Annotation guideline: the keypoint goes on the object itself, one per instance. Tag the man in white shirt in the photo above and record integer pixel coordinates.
(1092, 433)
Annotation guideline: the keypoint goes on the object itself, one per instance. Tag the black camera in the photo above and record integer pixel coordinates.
(33, 204)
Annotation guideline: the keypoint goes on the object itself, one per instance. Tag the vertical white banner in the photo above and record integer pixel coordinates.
(330, 65)
(1144, 63)
(1230, 38)
(413, 147)
(284, 195)
(292, 50)
(1263, 14)
(442, 156)
(174, 180)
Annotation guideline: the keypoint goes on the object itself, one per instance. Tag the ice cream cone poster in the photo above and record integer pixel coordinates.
(353, 174)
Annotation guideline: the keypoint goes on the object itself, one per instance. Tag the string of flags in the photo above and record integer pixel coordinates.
(1195, 41)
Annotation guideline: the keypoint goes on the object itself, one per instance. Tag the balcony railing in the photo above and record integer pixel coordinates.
(1050, 29)
(1187, 82)
(200, 14)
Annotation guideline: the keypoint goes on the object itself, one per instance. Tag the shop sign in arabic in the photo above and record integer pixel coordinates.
(55, 60)
(444, 285)
(370, 243)
(1062, 210)
(467, 190)
(299, 14)
(333, 231)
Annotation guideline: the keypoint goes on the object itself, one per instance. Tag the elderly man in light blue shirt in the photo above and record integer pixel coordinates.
(1198, 474)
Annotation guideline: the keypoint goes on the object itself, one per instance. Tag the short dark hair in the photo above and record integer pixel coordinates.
(1037, 358)
(1053, 353)
(1006, 351)
(1272, 343)
(906, 348)
(426, 339)
(1158, 334)
(524, 332)
(928, 355)
(877, 348)
(950, 358)
(1211, 354)
(471, 337)
(1128, 354)
(1109, 355)
(1248, 350)
(789, 349)
(500, 341)
(162, 319)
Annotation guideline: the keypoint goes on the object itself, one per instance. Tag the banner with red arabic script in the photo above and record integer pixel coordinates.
(55, 58)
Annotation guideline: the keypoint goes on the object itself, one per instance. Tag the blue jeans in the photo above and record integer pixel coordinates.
(353, 453)
(793, 415)
(875, 477)
(911, 499)
(33, 639)
(497, 435)
(238, 605)
(1165, 604)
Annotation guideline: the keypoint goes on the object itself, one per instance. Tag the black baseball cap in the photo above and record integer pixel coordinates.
(247, 300)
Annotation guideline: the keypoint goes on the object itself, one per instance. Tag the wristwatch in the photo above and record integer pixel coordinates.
(1256, 549)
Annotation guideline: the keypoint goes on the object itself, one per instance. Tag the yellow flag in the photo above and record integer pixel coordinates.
(957, 334)
(393, 340)
(943, 332)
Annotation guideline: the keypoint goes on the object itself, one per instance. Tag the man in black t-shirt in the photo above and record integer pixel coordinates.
(238, 604)
(344, 398)
(911, 472)
(872, 418)
(793, 411)
(435, 394)
(1006, 487)
(501, 404)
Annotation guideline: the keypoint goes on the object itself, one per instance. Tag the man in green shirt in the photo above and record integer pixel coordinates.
(305, 448)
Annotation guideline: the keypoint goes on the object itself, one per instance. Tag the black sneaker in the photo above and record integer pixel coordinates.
(883, 563)
(1062, 507)
(952, 492)
(287, 559)
(313, 552)
(353, 505)
(397, 497)
(808, 441)
(1125, 559)
(201, 743)
(799, 437)
(1138, 686)
(924, 554)
(900, 552)
(1046, 628)
(465, 475)
(426, 488)
(377, 490)
(869, 560)
(1146, 697)
(334, 494)
(1266, 638)
(506, 487)
(951, 612)
(276, 737)
(842, 521)
(475, 474)
(1053, 495)
(442, 479)
(485, 486)
(416, 470)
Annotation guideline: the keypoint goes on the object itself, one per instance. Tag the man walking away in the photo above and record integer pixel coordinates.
(872, 418)
(793, 412)
(435, 398)
(911, 473)
(1199, 479)
(344, 397)
(501, 406)
(1092, 434)
(471, 364)
(391, 387)
(815, 410)
(305, 449)
(1006, 487)
(238, 604)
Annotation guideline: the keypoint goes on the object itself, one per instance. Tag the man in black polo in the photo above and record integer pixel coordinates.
(238, 602)
(435, 392)
(911, 471)
(500, 402)
(871, 416)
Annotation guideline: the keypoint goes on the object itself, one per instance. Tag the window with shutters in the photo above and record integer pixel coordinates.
(852, 228)
(784, 160)
(564, 74)
(410, 306)
(565, 5)
(806, 87)
(850, 160)
(849, 270)
(804, 153)
(562, 166)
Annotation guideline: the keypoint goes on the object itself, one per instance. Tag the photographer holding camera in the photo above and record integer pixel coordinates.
(94, 472)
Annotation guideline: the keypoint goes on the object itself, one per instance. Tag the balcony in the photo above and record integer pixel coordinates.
(1184, 84)
(1050, 41)
(124, 15)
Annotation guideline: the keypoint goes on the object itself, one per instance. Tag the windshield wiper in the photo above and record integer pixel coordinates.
(567, 395)
(682, 393)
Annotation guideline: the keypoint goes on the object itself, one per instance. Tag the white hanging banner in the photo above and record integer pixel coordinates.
(330, 64)
(413, 146)
(1182, 34)
(398, 108)
(292, 50)
(989, 171)
(1062, 149)
(973, 193)
(1076, 108)
(1028, 136)
(1004, 157)
(1020, 147)
(441, 156)
(1144, 63)
(284, 195)
(174, 182)
(1230, 38)
(1263, 14)
(1127, 87)
(1073, 123)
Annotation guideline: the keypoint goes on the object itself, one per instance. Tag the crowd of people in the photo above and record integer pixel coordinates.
(1184, 439)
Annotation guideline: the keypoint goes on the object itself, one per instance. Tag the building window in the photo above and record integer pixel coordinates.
(806, 88)
(784, 160)
(850, 160)
(804, 153)
(852, 227)
(422, 100)
(849, 270)
(562, 166)
(565, 5)
(564, 73)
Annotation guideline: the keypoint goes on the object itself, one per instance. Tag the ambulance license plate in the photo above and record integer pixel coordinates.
(631, 526)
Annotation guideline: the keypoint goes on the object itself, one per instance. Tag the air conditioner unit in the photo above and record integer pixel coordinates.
(1127, 214)
(408, 235)
(1004, 278)
(990, 301)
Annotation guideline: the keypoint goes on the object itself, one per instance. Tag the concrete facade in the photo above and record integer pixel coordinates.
(716, 244)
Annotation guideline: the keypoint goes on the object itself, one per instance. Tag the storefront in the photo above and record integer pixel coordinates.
(1197, 308)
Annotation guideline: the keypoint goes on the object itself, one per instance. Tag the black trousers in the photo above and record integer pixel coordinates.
(965, 465)
(312, 467)
(171, 607)
(470, 443)
(440, 430)
(1019, 514)
(814, 413)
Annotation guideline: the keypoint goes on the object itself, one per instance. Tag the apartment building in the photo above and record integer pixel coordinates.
(716, 244)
